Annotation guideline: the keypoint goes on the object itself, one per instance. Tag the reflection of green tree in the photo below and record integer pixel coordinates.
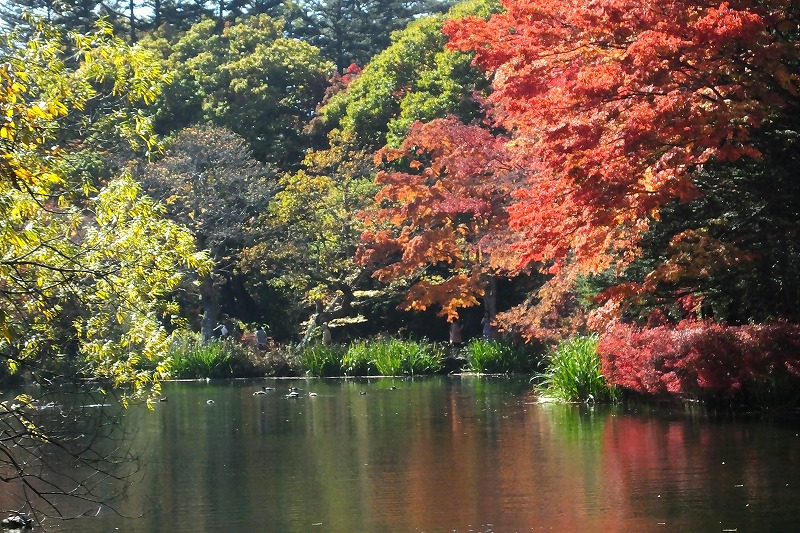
(579, 431)
(363, 430)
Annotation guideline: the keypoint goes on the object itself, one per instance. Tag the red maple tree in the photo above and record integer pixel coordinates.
(442, 224)
(609, 108)
(614, 104)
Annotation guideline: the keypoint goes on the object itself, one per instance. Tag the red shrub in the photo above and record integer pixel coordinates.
(701, 358)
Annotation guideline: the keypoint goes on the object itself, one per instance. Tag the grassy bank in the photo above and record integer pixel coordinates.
(193, 359)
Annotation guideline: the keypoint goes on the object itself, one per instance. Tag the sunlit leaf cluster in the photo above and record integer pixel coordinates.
(84, 273)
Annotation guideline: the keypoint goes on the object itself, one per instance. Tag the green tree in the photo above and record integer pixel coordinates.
(249, 79)
(78, 15)
(313, 230)
(211, 184)
(415, 78)
(12, 14)
(353, 32)
(179, 15)
(84, 273)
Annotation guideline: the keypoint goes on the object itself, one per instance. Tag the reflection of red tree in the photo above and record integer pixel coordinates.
(655, 465)
(520, 476)
(639, 451)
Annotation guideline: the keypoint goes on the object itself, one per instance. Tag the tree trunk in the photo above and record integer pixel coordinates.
(339, 307)
(157, 14)
(132, 20)
(210, 305)
(490, 296)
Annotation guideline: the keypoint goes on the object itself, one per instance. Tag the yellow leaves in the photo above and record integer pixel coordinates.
(16, 240)
(457, 292)
(112, 258)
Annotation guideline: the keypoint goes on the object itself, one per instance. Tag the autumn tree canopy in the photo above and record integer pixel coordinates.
(616, 105)
(442, 223)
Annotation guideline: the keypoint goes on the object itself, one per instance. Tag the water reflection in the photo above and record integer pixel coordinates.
(86, 452)
(446, 454)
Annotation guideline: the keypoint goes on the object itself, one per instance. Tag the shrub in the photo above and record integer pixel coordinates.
(192, 358)
(219, 358)
(705, 359)
(282, 360)
(574, 373)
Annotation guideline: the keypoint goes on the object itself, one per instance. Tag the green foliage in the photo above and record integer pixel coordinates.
(77, 15)
(415, 78)
(211, 184)
(85, 274)
(358, 360)
(190, 357)
(353, 32)
(322, 360)
(313, 218)
(313, 224)
(249, 79)
(490, 357)
(385, 357)
(395, 357)
(573, 373)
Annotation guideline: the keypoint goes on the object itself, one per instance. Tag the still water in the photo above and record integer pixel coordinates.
(446, 454)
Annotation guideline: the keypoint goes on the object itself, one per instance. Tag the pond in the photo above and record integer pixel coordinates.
(445, 454)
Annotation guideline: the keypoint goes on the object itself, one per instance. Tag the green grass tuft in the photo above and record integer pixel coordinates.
(573, 373)
(322, 360)
(495, 357)
(192, 358)
(358, 360)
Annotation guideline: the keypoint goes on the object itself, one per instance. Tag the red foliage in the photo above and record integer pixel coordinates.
(613, 105)
(609, 107)
(700, 358)
(448, 212)
(351, 73)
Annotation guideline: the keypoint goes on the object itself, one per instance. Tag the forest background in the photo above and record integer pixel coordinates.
(619, 168)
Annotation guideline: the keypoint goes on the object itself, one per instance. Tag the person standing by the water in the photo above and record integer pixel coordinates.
(261, 338)
(455, 333)
(326, 333)
(488, 328)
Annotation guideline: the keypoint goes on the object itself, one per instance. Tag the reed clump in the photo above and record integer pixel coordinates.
(490, 356)
(573, 373)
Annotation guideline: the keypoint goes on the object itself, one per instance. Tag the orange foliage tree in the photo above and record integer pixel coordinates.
(610, 110)
(442, 223)
(615, 104)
